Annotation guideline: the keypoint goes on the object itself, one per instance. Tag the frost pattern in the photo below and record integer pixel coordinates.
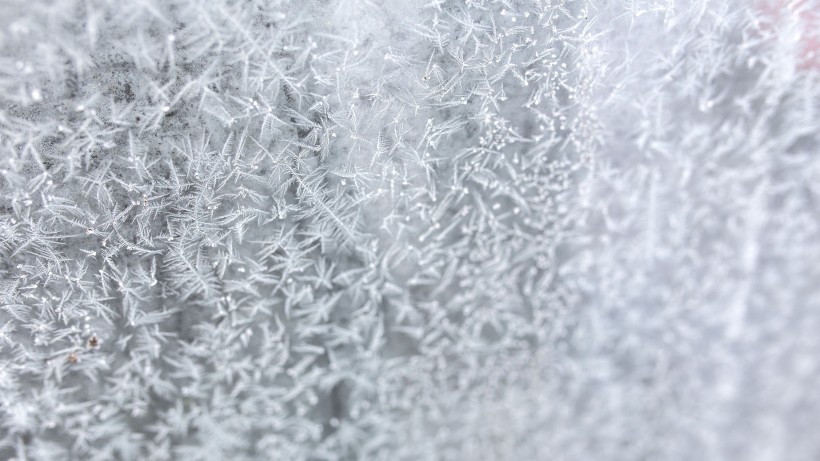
(403, 230)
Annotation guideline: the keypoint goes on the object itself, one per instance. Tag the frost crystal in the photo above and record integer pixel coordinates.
(409, 230)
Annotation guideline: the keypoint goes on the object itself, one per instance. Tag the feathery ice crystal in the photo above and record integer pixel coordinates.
(404, 230)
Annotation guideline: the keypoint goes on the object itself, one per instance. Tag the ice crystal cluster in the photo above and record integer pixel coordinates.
(409, 230)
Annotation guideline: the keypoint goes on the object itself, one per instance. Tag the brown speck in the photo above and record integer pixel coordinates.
(93, 341)
(72, 358)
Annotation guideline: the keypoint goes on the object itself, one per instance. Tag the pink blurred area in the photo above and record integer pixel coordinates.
(804, 16)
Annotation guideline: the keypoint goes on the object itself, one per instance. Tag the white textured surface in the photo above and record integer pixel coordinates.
(411, 230)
